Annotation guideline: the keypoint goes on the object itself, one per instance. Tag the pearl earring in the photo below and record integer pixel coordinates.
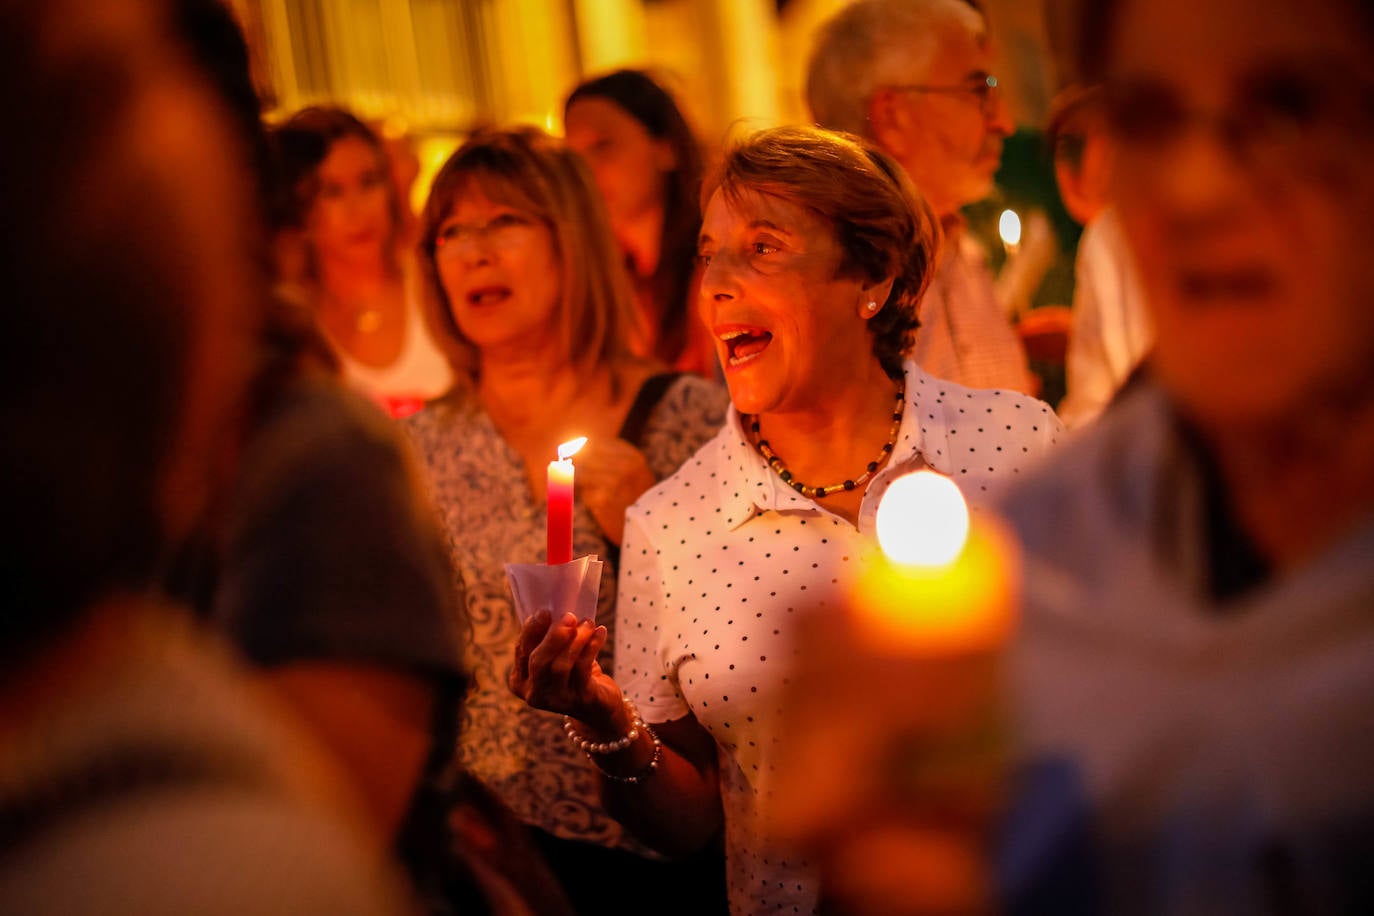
(872, 305)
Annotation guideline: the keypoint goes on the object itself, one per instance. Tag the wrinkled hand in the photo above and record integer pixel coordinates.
(612, 474)
(556, 669)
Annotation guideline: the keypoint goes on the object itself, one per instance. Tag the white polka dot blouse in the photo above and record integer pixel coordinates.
(720, 559)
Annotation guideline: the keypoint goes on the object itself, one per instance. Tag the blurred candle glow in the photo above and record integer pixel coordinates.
(558, 548)
(922, 520)
(941, 581)
(1009, 228)
(894, 740)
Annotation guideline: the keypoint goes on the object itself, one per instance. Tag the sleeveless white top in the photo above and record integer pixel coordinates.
(419, 373)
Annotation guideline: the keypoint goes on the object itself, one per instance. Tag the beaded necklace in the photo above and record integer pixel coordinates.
(811, 492)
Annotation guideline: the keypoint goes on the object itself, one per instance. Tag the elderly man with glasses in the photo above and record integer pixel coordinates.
(913, 77)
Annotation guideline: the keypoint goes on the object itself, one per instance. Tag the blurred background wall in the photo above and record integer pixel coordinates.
(436, 68)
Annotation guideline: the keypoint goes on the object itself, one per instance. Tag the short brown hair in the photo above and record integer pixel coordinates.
(526, 168)
(884, 227)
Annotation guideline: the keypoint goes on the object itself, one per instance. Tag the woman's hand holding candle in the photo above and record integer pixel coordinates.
(556, 668)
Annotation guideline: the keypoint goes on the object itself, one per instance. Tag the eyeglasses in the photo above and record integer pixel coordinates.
(985, 89)
(502, 232)
(1277, 119)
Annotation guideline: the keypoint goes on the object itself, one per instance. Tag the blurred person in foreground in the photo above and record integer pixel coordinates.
(530, 290)
(1197, 656)
(140, 773)
(1192, 683)
(913, 76)
(355, 626)
(815, 251)
(648, 166)
(352, 626)
(1111, 332)
(289, 346)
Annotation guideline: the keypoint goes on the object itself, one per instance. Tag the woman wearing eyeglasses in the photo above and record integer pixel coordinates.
(533, 304)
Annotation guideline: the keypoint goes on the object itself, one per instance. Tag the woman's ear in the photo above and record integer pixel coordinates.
(872, 298)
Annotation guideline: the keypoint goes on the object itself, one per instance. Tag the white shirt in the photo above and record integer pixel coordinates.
(964, 335)
(419, 373)
(720, 558)
(1111, 327)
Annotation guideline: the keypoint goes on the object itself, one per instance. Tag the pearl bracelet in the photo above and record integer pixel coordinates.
(648, 768)
(605, 747)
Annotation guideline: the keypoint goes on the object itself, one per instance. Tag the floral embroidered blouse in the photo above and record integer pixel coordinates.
(478, 485)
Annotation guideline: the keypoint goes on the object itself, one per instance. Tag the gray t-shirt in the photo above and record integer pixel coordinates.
(1184, 754)
(159, 788)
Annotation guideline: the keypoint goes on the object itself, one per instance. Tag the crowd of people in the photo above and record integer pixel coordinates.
(272, 444)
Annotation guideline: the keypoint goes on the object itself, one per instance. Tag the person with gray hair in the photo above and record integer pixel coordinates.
(914, 77)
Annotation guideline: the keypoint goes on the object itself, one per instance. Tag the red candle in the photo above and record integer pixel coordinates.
(560, 508)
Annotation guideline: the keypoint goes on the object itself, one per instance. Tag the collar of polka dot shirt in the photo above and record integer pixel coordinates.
(752, 487)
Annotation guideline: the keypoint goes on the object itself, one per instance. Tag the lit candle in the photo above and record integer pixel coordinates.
(560, 503)
(942, 582)
(893, 741)
(1009, 228)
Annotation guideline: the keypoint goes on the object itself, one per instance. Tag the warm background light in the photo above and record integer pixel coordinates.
(449, 65)
(922, 520)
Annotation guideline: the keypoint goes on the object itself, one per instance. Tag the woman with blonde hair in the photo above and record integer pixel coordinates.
(533, 305)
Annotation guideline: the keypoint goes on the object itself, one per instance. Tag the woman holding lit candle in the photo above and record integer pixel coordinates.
(535, 310)
(815, 251)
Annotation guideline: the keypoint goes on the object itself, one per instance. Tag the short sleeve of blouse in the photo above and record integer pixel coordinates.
(641, 667)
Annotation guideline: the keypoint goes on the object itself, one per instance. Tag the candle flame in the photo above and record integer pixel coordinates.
(922, 520)
(1009, 227)
(571, 447)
